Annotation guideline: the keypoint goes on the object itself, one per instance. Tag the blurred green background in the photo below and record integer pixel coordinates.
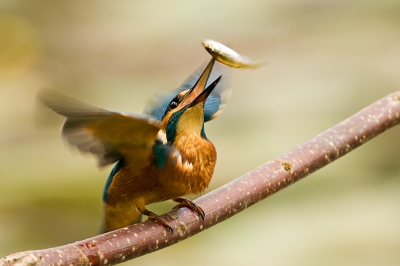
(331, 58)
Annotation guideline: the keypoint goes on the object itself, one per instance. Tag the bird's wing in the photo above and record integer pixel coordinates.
(215, 103)
(109, 135)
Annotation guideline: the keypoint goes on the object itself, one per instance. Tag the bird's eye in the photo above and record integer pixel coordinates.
(173, 104)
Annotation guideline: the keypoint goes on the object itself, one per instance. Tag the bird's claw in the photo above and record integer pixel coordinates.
(191, 205)
(158, 219)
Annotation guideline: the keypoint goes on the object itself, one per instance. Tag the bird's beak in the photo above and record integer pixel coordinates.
(198, 88)
(204, 94)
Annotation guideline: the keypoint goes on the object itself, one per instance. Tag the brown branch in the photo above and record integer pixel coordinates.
(224, 202)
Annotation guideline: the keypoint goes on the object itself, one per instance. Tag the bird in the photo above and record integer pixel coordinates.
(162, 154)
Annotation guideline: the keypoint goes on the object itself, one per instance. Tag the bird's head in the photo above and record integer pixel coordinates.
(185, 112)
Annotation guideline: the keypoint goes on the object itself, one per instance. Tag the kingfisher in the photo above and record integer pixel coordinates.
(159, 155)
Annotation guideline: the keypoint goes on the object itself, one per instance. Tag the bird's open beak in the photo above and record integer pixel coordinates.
(198, 88)
(205, 93)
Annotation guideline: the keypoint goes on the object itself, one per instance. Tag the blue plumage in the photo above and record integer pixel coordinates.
(161, 152)
(115, 170)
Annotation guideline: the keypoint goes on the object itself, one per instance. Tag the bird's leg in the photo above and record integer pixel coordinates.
(157, 218)
(191, 205)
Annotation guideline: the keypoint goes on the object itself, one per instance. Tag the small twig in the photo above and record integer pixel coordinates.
(224, 202)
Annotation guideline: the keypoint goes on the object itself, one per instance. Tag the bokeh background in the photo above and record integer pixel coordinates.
(330, 59)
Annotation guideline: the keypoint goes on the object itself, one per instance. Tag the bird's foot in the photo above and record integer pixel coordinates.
(158, 219)
(191, 205)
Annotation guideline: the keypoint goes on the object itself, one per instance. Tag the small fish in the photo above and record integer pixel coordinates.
(229, 57)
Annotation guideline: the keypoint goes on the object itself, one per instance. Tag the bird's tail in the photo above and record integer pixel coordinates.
(119, 216)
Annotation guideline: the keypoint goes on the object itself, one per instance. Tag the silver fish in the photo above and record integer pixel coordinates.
(229, 57)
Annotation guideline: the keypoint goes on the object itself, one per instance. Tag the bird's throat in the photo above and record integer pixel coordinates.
(191, 121)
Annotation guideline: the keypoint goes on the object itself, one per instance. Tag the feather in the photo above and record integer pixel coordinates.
(109, 135)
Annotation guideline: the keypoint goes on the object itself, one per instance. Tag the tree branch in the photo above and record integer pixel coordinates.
(143, 238)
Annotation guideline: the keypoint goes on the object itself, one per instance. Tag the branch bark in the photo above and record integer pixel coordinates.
(146, 237)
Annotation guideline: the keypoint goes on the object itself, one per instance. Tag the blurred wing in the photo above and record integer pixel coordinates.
(109, 135)
(215, 103)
